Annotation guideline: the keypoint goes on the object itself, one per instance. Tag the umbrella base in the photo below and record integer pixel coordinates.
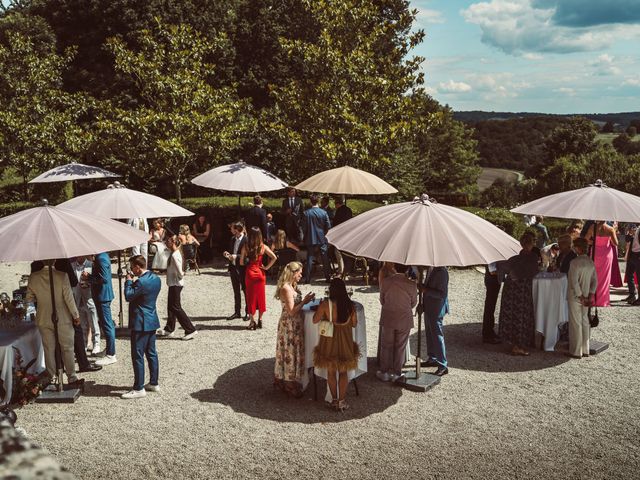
(123, 332)
(596, 347)
(418, 384)
(52, 395)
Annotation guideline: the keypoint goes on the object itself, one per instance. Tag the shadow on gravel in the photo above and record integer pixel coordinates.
(206, 319)
(215, 273)
(92, 389)
(249, 389)
(466, 351)
(200, 326)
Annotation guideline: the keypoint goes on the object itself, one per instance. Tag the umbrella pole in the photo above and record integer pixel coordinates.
(54, 320)
(420, 310)
(239, 208)
(120, 312)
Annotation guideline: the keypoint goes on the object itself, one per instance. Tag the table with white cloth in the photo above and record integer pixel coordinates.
(26, 338)
(550, 305)
(312, 338)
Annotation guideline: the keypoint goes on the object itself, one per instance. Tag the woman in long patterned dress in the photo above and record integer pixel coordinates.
(605, 238)
(337, 353)
(255, 278)
(289, 369)
(517, 321)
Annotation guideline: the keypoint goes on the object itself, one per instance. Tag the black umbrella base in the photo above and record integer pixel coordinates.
(418, 384)
(52, 395)
(596, 347)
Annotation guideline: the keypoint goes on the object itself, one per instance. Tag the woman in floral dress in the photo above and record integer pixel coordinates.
(289, 369)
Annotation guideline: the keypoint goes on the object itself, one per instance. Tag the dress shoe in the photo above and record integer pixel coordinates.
(441, 371)
(636, 302)
(234, 316)
(92, 367)
(492, 340)
(630, 299)
(245, 318)
(429, 363)
(573, 356)
(77, 383)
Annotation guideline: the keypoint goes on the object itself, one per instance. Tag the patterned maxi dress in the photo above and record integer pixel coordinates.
(289, 372)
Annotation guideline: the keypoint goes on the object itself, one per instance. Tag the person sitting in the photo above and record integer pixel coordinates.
(189, 244)
(565, 255)
(157, 239)
(337, 353)
(271, 229)
(202, 231)
(398, 296)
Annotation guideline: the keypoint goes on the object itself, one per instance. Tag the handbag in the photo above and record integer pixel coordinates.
(326, 326)
(594, 321)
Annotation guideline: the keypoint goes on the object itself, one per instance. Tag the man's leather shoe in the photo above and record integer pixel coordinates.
(630, 299)
(491, 340)
(92, 367)
(79, 383)
(234, 316)
(429, 363)
(441, 371)
(245, 318)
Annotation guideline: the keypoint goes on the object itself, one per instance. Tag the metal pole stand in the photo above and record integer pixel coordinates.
(121, 330)
(417, 381)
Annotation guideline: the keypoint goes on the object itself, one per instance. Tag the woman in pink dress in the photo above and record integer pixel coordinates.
(605, 237)
(255, 277)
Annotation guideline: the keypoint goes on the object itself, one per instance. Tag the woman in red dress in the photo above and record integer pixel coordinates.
(255, 278)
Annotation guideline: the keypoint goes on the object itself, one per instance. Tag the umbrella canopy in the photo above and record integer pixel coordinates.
(595, 202)
(48, 232)
(240, 177)
(72, 171)
(423, 232)
(346, 181)
(116, 201)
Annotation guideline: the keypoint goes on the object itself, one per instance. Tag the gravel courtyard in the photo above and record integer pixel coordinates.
(218, 416)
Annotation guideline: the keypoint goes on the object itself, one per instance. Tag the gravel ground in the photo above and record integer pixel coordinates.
(218, 416)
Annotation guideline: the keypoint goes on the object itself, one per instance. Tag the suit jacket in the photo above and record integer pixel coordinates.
(582, 278)
(342, 214)
(236, 263)
(315, 223)
(39, 290)
(142, 295)
(257, 217)
(398, 296)
(297, 209)
(100, 279)
(436, 293)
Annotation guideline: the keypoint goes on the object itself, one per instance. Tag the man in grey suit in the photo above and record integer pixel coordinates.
(315, 224)
(580, 295)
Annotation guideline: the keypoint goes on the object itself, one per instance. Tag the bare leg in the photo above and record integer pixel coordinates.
(344, 381)
(331, 381)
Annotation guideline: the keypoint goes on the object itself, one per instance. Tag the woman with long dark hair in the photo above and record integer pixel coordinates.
(255, 277)
(337, 353)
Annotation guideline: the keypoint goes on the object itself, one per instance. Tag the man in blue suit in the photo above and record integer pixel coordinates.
(102, 294)
(315, 224)
(435, 300)
(143, 321)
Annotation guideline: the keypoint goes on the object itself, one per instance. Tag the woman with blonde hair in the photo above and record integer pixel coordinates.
(188, 242)
(290, 371)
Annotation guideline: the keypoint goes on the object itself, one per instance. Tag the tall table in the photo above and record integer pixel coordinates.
(550, 305)
(312, 337)
(26, 339)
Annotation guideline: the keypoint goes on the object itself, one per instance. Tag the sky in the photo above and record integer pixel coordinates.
(548, 56)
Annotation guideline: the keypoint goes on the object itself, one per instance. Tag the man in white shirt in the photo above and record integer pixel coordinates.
(580, 295)
(236, 271)
(84, 302)
(633, 267)
(143, 248)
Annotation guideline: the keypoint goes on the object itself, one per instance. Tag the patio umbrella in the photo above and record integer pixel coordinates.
(346, 181)
(48, 232)
(423, 233)
(117, 201)
(72, 171)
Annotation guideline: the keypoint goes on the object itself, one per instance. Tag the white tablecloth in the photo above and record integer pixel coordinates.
(550, 306)
(27, 339)
(312, 337)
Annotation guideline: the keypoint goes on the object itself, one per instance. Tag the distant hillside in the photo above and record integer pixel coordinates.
(475, 116)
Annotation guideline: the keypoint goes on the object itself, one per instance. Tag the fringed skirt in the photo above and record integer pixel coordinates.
(339, 352)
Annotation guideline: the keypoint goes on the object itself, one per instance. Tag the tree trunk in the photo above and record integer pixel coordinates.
(25, 188)
(178, 191)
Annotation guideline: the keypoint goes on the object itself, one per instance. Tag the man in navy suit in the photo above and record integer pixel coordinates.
(315, 224)
(257, 216)
(435, 300)
(102, 294)
(292, 208)
(143, 321)
(236, 271)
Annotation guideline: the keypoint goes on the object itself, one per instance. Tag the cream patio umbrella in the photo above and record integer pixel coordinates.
(423, 233)
(47, 232)
(73, 171)
(118, 202)
(346, 181)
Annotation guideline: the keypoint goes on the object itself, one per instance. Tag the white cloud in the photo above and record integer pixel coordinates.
(565, 91)
(517, 27)
(426, 16)
(453, 87)
(496, 85)
(634, 82)
(604, 66)
(532, 56)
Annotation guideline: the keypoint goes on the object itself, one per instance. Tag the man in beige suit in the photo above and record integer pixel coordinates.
(39, 290)
(580, 295)
(398, 296)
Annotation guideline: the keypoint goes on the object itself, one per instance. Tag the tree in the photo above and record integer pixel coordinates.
(40, 125)
(349, 105)
(182, 124)
(607, 127)
(631, 131)
(577, 137)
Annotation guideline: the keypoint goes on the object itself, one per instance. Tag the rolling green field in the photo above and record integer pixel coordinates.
(490, 175)
(608, 137)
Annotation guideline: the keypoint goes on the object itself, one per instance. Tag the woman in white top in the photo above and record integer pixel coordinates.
(157, 238)
(175, 282)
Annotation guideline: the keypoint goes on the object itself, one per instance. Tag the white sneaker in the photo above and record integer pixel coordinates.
(152, 388)
(106, 360)
(384, 376)
(96, 350)
(163, 333)
(134, 394)
(191, 335)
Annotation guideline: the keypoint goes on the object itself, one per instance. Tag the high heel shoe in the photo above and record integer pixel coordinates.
(341, 406)
(259, 325)
(252, 325)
